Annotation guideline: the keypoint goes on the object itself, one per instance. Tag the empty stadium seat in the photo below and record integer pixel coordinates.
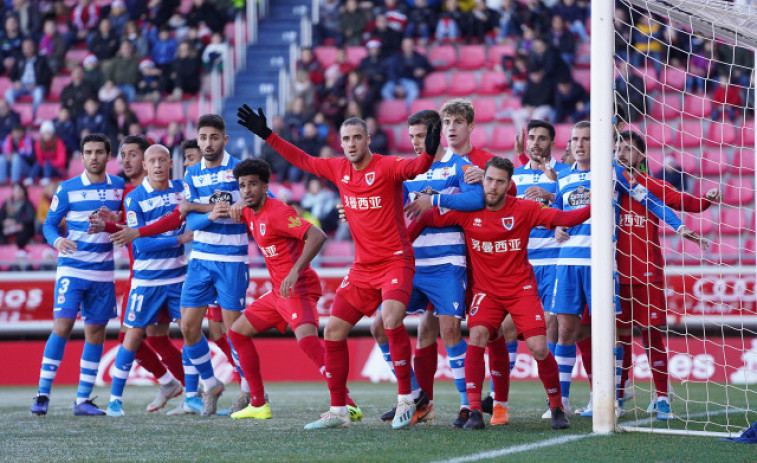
(583, 77)
(743, 162)
(719, 133)
(739, 191)
(486, 110)
(503, 138)
(700, 223)
(356, 54)
(422, 103)
(75, 167)
(732, 221)
(690, 252)
(496, 52)
(472, 57)
(562, 137)
(443, 57)
(674, 77)
(651, 82)
(256, 258)
(479, 137)
(748, 253)
(667, 106)
(47, 111)
(713, 162)
(7, 255)
(24, 111)
(193, 111)
(57, 86)
(298, 190)
(392, 112)
(655, 160)
(658, 134)
(689, 134)
(696, 106)
(42, 254)
(35, 193)
(583, 55)
(492, 83)
(325, 55)
(337, 254)
(668, 246)
(508, 107)
(724, 250)
(114, 167)
(746, 135)
(144, 110)
(75, 56)
(403, 145)
(701, 186)
(462, 83)
(169, 111)
(434, 84)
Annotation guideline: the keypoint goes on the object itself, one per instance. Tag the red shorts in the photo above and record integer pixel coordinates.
(526, 309)
(366, 286)
(272, 311)
(163, 315)
(214, 313)
(643, 305)
(586, 318)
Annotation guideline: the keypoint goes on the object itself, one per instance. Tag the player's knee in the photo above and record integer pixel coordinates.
(479, 336)
(450, 334)
(539, 351)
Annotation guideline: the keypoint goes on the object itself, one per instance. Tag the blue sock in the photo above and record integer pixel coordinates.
(618, 351)
(54, 349)
(90, 362)
(124, 360)
(512, 351)
(456, 358)
(566, 360)
(388, 359)
(551, 347)
(191, 375)
(199, 355)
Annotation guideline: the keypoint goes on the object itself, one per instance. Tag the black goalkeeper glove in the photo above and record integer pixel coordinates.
(433, 138)
(255, 123)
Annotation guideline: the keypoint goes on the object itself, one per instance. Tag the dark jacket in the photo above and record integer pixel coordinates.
(42, 73)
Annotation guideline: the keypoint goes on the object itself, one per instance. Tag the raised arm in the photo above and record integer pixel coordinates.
(407, 169)
(135, 219)
(678, 200)
(639, 193)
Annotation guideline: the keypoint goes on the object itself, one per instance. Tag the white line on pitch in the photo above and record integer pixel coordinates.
(517, 449)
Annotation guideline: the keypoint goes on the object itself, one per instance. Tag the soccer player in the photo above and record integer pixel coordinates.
(573, 278)
(640, 264)
(85, 279)
(371, 189)
(159, 265)
(503, 280)
(219, 267)
(440, 263)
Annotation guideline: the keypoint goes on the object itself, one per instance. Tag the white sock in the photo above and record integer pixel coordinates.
(244, 385)
(409, 397)
(497, 402)
(209, 383)
(81, 400)
(166, 379)
(112, 398)
(341, 411)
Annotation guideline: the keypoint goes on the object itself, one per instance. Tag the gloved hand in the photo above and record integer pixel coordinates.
(433, 138)
(255, 123)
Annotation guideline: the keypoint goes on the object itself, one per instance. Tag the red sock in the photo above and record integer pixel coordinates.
(146, 358)
(337, 368)
(314, 350)
(499, 367)
(627, 343)
(585, 348)
(475, 370)
(550, 378)
(170, 355)
(225, 347)
(401, 352)
(250, 362)
(658, 358)
(424, 364)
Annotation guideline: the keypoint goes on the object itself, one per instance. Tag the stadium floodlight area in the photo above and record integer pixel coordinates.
(684, 79)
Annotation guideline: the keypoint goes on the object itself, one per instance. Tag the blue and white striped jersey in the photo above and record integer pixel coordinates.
(542, 247)
(573, 192)
(221, 240)
(75, 200)
(444, 179)
(158, 260)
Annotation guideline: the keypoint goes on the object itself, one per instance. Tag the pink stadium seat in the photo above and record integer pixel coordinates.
(422, 103)
(725, 250)
(696, 106)
(35, 193)
(719, 134)
(508, 107)
(690, 252)
(562, 137)
(41, 253)
(666, 106)
(392, 112)
(479, 137)
(583, 55)
(193, 111)
(503, 138)
(337, 254)
(5, 193)
(144, 110)
(169, 111)
(700, 223)
(228, 31)
(746, 135)
(7, 255)
(583, 77)
(732, 221)
(701, 186)
(472, 57)
(325, 55)
(434, 84)
(443, 57)
(185, 6)
(743, 162)
(47, 111)
(57, 86)
(75, 167)
(75, 56)
(739, 191)
(356, 54)
(114, 167)
(298, 190)
(462, 83)
(658, 134)
(5, 84)
(709, 163)
(492, 83)
(486, 110)
(674, 77)
(403, 145)
(496, 52)
(24, 110)
(655, 159)
(748, 254)
(689, 134)
(651, 82)
(669, 253)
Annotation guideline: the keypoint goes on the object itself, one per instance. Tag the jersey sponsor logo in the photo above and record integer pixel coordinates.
(269, 251)
(294, 222)
(490, 247)
(131, 219)
(362, 203)
(262, 229)
(508, 223)
(579, 197)
(400, 363)
(220, 197)
(370, 177)
(54, 203)
(632, 220)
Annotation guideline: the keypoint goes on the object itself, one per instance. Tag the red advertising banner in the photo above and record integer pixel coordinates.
(732, 360)
(723, 298)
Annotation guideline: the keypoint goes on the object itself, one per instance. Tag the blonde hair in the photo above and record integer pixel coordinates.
(459, 107)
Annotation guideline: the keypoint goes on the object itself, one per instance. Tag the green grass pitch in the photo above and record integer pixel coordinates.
(141, 436)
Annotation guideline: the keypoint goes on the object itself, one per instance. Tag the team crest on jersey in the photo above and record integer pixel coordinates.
(294, 222)
(508, 223)
(262, 229)
(370, 177)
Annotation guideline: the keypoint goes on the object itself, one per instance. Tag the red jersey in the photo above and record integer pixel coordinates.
(479, 158)
(639, 257)
(497, 241)
(280, 233)
(372, 198)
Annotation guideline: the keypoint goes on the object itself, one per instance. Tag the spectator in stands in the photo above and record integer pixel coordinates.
(212, 55)
(310, 142)
(174, 136)
(133, 34)
(76, 92)
(18, 149)
(648, 37)
(631, 91)
(104, 42)
(118, 17)
(159, 12)
(406, 71)
(508, 24)
(279, 166)
(374, 68)
(8, 119)
(545, 56)
(51, 154)
(537, 99)
(574, 17)
(297, 114)
(421, 21)
(674, 174)
(10, 42)
(379, 138)
(107, 95)
(352, 23)
(31, 75)
(537, 15)
(150, 81)
(308, 63)
(516, 73)
(327, 29)
(164, 49)
(29, 17)
(43, 207)
(726, 100)
(186, 72)
(84, 18)
(92, 73)
(91, 120)
(356, 89)
(17, 218)
(123, 70)
(206, 12)
(65, 128)
(561, 39)
(321, 203)
(135, 128)
(304, 88)
(735, 62)
(353, 109)
(483, 23)
(387, 38)
(622, 26)
(701, 65)
(121, 118)
(571, 102)
(448, 28)
(340, 68)
(53, 46)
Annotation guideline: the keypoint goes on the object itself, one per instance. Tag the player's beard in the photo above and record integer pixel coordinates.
(493, 202)
(214, 156)
(99, 170)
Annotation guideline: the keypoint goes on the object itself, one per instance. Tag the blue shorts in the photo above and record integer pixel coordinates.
(573, 290)
(545, 280)
(210, 281)
(95, 299)
(445, 289)
(146, 302)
